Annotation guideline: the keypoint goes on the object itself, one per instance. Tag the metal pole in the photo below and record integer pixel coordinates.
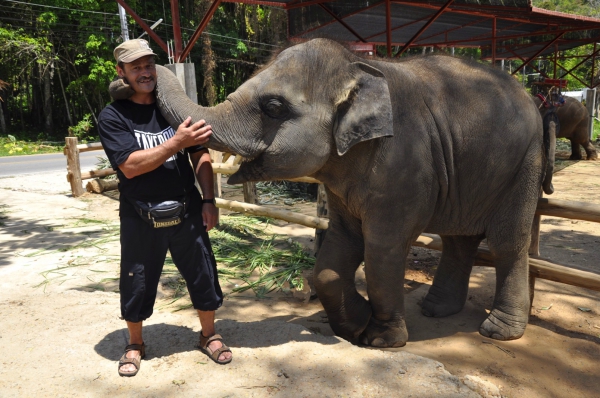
(123, 18)
(590, 104)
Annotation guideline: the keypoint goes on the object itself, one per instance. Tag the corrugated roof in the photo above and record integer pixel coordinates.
(522, 30)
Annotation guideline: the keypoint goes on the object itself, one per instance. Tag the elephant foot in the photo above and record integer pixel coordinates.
(502, 326)
(575, 157)
(385, 334)
(349, 328)
(592, 156)
(438, 304)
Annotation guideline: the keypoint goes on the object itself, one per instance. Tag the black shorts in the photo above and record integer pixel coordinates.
(143, 252)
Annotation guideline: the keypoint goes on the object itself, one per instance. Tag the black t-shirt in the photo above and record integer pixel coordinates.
(126, 127)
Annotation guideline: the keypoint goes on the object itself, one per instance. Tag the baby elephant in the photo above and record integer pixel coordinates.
(574, 120)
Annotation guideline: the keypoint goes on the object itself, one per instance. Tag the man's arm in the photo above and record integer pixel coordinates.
(205, 177)
(145, 160)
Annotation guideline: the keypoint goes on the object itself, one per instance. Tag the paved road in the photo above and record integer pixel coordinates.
(44, 163)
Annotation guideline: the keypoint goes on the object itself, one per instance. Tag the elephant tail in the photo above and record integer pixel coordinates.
(551, 128)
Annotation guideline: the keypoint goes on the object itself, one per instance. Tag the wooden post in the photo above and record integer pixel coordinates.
(590, 104)
(217, 157)
(250, 195)
(322, 212)
(531, 289)
(73, 167)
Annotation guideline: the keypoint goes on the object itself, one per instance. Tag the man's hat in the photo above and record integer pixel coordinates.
(131, 50)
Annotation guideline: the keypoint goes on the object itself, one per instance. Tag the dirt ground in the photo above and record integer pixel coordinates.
(60, 332)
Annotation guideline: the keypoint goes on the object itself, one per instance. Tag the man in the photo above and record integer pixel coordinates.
(160, 207)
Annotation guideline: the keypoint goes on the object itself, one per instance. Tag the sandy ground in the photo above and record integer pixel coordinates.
(60, 335)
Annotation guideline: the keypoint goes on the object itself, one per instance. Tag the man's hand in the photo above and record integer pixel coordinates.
(210, 215)
(195, 134)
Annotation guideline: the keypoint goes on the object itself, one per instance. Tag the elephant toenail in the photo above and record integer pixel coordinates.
(379, 342)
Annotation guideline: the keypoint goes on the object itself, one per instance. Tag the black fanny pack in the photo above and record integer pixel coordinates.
(161, 214)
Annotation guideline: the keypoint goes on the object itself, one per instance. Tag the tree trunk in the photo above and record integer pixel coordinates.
(62, 89)
(89, 107)
(2, 121)
(47, 91)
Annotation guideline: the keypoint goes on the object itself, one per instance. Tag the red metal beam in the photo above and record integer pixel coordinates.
(211, 10)
(176, 29)
(531, 65)
(344, 24)
(424, 27)
(558, 36)
(588, 57)
(388, 27)
(508, 37)
(144, 25)
(572, 75)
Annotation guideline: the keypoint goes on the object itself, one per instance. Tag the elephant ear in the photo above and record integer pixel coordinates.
(364, 111)
(119, 90)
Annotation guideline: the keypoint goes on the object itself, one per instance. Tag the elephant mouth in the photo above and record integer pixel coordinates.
(250, 170)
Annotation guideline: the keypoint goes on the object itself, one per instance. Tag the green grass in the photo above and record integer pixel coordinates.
(10, 146)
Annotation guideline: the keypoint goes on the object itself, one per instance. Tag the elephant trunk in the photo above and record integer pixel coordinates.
(176, 106)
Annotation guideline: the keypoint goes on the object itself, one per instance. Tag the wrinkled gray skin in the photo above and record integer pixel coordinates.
(431, 144)
(574, 122)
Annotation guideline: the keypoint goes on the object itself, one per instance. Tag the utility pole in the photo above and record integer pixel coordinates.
(123, 18)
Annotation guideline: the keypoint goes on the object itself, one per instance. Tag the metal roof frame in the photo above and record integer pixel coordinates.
(502, 29)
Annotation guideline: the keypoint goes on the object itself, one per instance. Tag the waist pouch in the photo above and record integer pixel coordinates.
(161, 214)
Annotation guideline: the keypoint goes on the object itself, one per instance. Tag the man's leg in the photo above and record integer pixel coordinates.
(207, 322)
(143, 250)
(135, 337)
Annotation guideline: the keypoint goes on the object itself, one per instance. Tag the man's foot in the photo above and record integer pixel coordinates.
(215, 349)
(129, 364)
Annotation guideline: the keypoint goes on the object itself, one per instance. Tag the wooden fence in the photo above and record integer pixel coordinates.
(538, 267)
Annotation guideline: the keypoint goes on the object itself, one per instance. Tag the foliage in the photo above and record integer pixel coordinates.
(82, 128)
(263, 265)
(589, 8)
(56, 55)
(11, 146)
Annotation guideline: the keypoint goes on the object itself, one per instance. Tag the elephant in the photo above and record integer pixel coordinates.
(574, 120)
(429, 144)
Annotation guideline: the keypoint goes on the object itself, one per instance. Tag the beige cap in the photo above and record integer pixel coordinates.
(131, 50)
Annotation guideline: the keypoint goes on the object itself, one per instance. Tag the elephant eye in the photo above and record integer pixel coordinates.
(274, 108)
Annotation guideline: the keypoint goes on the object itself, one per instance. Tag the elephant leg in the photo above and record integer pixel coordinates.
(575, 150)
(510, 310)
(590, 151)
(340, 255)
(450, 287)
(385, 269)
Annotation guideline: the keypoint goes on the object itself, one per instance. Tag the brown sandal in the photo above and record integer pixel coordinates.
(214, 355)
(134, 361)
